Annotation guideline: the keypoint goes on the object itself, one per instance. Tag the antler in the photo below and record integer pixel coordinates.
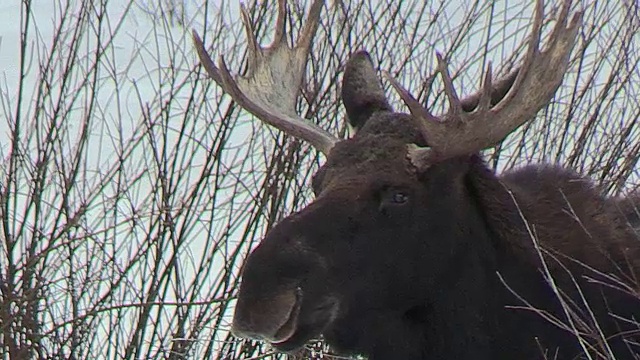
(459, 132)
(272, 83)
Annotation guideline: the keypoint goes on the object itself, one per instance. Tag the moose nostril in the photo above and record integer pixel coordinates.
(272, 317)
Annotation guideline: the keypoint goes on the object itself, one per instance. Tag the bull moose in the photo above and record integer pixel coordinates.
(414, 248)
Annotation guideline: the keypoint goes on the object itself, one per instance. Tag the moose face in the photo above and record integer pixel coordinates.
(376, 237)
(392, 212)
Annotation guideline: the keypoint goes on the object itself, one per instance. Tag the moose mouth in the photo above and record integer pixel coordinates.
(301, 327)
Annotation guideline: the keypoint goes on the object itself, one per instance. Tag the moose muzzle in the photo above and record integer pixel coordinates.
(272, 317)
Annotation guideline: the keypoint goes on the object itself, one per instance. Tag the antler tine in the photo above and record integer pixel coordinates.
(536, 82)
(253, 48)
(271, 86)
(310, 28)
(485, 96)
(455, 108)
(417, 110)
(280, 22)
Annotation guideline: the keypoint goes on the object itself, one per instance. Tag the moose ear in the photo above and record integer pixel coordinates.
(362, 93)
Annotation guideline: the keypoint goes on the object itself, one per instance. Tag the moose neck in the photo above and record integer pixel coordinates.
(457, 325)
(467, 316)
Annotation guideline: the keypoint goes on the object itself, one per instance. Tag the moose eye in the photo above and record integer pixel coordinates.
(399, 197)
(393, 198)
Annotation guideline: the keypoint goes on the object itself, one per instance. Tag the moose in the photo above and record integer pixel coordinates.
(413, 247)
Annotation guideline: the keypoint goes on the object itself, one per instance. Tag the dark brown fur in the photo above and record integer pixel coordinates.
(444, 264)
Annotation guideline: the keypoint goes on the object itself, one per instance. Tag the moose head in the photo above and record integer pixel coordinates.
(391, 256)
